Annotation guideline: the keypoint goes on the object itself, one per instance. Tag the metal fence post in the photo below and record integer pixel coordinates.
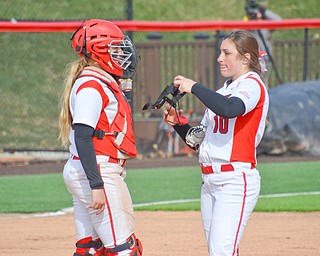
(215, 64)
(305, 57)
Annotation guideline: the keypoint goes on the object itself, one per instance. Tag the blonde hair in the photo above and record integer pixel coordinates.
(65, 119)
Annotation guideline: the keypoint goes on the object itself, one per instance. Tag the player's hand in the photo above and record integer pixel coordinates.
(98, 200)
(171, 116)
(184, 84)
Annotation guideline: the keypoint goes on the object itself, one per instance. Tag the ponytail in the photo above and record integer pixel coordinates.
(65, 119)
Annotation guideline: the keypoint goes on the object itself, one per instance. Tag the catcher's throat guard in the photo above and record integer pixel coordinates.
(164, 97)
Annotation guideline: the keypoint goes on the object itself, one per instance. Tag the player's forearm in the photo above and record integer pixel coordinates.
(83, 140)
(182, 130)
(219, 104)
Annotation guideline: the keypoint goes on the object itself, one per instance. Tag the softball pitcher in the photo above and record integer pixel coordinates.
(96, 121)
(230, 131)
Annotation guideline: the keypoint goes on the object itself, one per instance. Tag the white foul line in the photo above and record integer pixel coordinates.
(197, 200)
(70, 209)
(167, 202)
(290, 194)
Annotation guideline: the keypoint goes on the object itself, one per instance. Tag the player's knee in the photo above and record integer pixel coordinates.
(87, 246)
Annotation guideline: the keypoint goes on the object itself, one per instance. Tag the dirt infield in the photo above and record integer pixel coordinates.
(162, 233)
(167, 233)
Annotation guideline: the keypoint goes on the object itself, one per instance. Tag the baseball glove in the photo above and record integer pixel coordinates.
(195, 136)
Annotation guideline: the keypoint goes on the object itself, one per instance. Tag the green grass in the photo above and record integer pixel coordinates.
(33, 193)
(149, 10)
(306, 203)
(33, 64)
(290, 177)
(47, 192)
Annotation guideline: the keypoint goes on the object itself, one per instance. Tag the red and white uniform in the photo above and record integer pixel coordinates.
(97, 101)
(231, 183)
(93, 102)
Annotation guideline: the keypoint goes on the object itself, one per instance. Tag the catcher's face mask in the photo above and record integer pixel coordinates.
(164, 97)
(120, 52)
(131, 68)
(173, 101)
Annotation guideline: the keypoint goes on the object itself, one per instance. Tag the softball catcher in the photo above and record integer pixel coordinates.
(96, 121)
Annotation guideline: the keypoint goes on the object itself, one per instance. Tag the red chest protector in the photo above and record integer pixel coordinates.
(116, 139)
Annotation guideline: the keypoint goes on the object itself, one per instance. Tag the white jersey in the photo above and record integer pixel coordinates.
(86, 104)
(236, 139)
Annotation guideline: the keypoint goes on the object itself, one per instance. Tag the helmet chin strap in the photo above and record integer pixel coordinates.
(115, 77)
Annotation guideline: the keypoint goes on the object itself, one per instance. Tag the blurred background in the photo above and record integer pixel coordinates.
(32, 64)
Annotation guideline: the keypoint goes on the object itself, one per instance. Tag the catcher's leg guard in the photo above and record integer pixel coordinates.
(87, 246)
(132, 244)
(137, 249)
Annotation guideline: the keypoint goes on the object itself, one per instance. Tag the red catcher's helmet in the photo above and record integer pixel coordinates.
(105, 43)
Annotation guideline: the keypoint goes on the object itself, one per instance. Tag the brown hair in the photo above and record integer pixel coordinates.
(65, 121)
(246, 42)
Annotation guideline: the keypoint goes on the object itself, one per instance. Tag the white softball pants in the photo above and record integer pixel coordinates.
(227, 201)
(117, 222)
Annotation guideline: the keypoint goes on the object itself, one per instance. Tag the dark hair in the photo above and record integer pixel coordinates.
(246, 42)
